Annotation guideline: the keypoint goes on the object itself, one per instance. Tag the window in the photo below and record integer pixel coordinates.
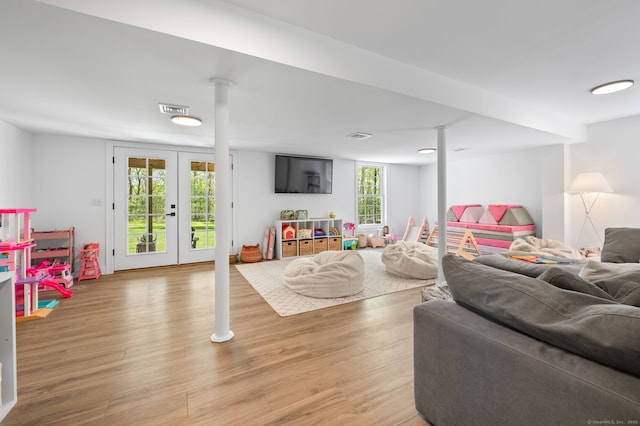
(203, 191)
(371, 197)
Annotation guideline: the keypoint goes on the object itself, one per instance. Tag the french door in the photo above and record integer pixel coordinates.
(164, 207)
(197, 207)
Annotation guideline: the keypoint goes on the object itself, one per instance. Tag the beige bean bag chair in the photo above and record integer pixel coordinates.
(411, 259)
(544, 247)
(326, 275)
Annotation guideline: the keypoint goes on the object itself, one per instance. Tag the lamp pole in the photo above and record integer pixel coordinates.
(584, 196)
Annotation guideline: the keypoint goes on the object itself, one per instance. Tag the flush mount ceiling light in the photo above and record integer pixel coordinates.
(179, 114)
(426, 150)
(612, 87)
(186, 120)
(359, 135)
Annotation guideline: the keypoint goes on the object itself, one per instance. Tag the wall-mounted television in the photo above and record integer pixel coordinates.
(303, 175)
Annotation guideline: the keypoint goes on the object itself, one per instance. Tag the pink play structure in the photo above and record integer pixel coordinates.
(57, 277)
(15, 256)
(416, 232)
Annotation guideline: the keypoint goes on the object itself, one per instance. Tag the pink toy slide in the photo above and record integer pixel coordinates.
(66, 293)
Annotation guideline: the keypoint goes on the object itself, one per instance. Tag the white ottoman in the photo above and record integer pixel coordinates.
(411, 259)
(326, 275)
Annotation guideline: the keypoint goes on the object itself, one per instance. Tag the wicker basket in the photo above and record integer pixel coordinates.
(250, 254)
(305, 247)
(335, 243)
(320, 245)
(289, 248)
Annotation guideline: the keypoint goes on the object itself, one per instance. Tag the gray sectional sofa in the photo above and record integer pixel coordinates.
(517, 350)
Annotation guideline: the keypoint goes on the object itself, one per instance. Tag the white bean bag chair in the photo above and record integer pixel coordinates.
(544, 247)
(411, 259)
(326, 275)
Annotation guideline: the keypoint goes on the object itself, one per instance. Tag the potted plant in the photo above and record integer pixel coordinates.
(143, 247)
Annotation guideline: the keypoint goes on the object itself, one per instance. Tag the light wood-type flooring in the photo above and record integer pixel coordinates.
(133, 348)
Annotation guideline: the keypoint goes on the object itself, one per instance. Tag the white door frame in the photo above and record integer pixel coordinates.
(109, 245)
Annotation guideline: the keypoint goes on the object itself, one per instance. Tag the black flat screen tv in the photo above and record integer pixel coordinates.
(303, 175)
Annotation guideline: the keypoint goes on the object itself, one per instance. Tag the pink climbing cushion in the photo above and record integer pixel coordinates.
(498, 210)
(459, 210)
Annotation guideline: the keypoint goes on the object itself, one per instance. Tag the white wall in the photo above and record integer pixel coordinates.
(15, 167)
(68, 173)
(403, 199)
(511, 178)
(614, 150)
(256, 206)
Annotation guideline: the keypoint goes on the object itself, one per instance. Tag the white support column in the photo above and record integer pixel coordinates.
(442, 199)
(222, 216)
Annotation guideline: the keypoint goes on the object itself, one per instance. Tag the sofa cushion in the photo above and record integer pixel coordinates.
(624, 288)
(594, 270)
(529, 269)
(570, 281)
(621, 245)
(598, 329)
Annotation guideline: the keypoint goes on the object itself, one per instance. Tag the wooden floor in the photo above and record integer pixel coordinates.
(133, 348)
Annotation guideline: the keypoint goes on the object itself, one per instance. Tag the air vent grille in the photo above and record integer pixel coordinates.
(359, 135)
(174, 109)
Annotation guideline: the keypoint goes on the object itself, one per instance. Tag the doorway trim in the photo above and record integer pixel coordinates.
(109, 237)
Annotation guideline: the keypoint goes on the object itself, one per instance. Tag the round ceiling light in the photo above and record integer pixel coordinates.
(612, 87)
(186, 120)
(426, 150)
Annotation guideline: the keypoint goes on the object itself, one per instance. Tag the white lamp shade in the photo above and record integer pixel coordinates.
(589, 182)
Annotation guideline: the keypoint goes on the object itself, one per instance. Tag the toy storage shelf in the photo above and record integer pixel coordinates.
(9, 385)
(57, 244)
(298, 237)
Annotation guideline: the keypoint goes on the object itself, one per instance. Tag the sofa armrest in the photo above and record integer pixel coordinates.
(470, 370)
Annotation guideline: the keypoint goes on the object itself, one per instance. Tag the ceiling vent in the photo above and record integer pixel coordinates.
(359, 135)
(174, 109)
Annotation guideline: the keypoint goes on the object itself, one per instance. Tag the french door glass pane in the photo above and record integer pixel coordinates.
(202, 204)
(146, 222)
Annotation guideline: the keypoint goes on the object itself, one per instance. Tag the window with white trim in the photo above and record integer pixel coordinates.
(371, 195)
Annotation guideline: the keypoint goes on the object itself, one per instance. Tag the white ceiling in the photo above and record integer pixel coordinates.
(501, 75)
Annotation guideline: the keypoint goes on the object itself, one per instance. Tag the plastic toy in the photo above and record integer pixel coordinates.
(350, 228)
(47, 276)
(288, 232)
(375, 241)
(350, 243)
(90, 255)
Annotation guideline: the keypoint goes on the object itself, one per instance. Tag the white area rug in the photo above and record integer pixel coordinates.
(266, 278)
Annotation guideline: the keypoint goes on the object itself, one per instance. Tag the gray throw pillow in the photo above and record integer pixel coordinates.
(621, 245)
(595, 328)
(624, 288)
(568, 281)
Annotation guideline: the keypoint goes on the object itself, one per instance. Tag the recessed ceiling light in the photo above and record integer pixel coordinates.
(186, 120)
(426, 150)
(612, 87)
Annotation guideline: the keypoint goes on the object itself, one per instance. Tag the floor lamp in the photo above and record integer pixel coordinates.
(589, 186)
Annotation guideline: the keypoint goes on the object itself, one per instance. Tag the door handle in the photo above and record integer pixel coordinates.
(171, 214)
